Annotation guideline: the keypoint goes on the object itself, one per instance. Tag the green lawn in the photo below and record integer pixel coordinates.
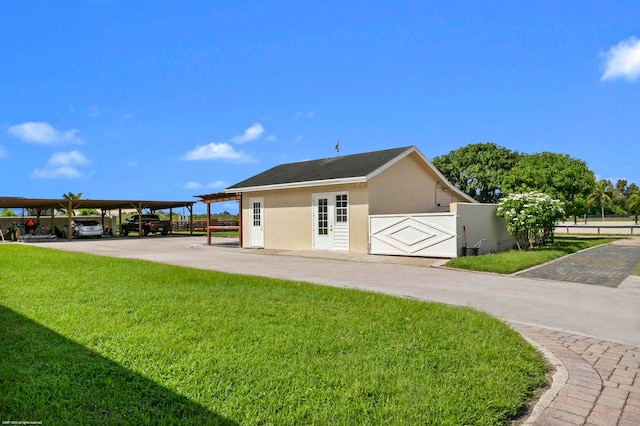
(96, 340)
(511, 261)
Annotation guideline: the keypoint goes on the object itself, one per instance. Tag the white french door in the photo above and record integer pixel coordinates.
(256, 208)
(331, 221)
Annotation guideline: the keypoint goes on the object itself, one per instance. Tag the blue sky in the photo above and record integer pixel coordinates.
(167, 100)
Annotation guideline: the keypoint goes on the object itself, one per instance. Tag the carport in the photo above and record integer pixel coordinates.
(43, 204)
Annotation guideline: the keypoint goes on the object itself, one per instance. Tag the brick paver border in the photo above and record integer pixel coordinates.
(597, 382)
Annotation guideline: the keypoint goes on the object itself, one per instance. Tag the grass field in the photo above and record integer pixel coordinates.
(95, 340)
(511, 261)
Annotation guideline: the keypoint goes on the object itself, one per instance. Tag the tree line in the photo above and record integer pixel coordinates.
(488, 172)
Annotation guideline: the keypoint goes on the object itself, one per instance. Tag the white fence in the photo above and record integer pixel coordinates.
(427, 235)
(599, 229)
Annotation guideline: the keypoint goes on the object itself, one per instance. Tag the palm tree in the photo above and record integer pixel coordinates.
(633, 203)
(602, 193)
(70, 196)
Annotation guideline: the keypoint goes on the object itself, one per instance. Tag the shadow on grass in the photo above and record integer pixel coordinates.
(45, 377)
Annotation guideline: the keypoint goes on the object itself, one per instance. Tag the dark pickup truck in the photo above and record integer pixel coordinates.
(151, 224)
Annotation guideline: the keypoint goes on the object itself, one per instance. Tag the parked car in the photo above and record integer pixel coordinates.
(83, 228)
(151, 224)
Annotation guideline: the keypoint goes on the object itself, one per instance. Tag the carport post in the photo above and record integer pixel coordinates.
(170, 220)
(102, 214)
(208, 223)
(139, 209)
(240, 220)
(120, 222)
(70, 213)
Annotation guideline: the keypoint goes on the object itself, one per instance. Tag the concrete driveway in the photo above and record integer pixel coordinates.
(602, 312)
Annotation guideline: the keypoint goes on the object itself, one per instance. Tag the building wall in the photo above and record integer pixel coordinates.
(409, 186)
(478, 222)
(288, 217)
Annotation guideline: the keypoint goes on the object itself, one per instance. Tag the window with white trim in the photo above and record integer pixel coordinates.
(257, 218)
(342, 208)
(323, 216)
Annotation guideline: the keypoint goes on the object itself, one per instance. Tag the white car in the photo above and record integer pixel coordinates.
(84, 228)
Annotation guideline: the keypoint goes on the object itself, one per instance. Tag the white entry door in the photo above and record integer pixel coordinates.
(323, 219)
(331, 221)
(256, 207)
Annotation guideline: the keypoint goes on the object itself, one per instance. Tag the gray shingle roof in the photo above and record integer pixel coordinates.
(348, 166)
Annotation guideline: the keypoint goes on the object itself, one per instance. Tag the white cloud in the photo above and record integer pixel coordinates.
(73, 158)
(219, 184)
(251, 134)
(623, 60)
(271, 138)
(217, 151)
(192, 185)
(300, 115)
(43, 133)
(3, 152)
(56, 172)
(211, 185)
(62, 165)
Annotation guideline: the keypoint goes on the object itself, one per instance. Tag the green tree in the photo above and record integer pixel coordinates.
(7, 213)
(478, 169)
(89, 212)
(633, 203)
(620, 196)
(558, 175)
(70, 196)
(602, 194)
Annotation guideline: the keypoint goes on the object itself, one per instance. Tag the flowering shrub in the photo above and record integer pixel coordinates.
(530, 217)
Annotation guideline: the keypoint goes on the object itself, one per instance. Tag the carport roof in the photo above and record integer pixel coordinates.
(46, 203)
